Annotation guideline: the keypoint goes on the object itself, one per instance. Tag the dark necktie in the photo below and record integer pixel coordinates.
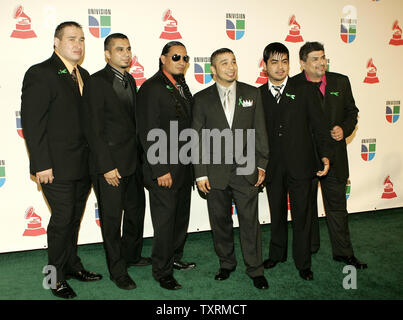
(125, 81)
(278, 92)
(75, 79)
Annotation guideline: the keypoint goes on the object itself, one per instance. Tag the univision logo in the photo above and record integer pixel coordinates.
(348, 188)
(2, 173)
(235, 25)
(18, 123)
(202, 70)
(348, 31)
(97, 220)
(368, 148)
(392, 111)
(99, 22)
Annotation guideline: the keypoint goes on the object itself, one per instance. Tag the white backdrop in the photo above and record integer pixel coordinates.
(244, 26)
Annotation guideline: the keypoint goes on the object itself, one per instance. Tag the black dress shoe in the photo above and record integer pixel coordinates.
(63, 290)
(223, 274)
(268, 264)
(170, 283)
(140, 263)
(306, 274)
(125, 282)
(351, 261)
(180, 265)
(84, 275)
(260, 282)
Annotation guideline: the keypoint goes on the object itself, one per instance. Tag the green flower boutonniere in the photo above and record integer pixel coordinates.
(292, 96)
(64, 71)
(335, 93)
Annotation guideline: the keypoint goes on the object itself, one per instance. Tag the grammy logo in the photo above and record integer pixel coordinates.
(23, 27)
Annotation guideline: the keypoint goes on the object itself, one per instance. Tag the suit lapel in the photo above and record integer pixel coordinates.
(65, 76)
(327, 105)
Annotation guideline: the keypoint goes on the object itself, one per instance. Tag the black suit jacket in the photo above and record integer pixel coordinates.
(298, 135)
(110, 125)
(208, 113)
(158, 104)
(340, 110)
(51, 121)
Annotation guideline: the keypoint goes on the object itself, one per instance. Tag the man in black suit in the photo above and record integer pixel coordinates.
(165, 102)
(109, 110)
(337, 101)
(232, 107)
(295, 130)
(58, 151)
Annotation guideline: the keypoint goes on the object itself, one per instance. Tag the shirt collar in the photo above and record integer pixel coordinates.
(169, 76)
(70, 67)
(270, 84)
(222, 89)
(117, 72)
(323, 78)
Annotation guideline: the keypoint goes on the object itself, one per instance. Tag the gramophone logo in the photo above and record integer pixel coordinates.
(2, 173)
(368, 147)
(397, 35)
(18, 121)
(348, 189)
(97, 220)
(294, 34)
(202, 70)
(371, 73)
(171, 27)
(235, 25)
(388, 192)
(392, 111)
(34, 227)
(348, 25)
(137, 71)
(263, 76)
(23, 26)
(99, 22)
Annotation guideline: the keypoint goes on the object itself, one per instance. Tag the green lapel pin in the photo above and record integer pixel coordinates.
(240, 101)
(335, 93)
(292, 96)
(64, 71)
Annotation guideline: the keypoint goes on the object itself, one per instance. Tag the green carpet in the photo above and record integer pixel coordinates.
(377, 239)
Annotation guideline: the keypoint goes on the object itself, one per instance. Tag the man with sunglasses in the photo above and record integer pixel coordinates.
(163, 100)
(236, 106)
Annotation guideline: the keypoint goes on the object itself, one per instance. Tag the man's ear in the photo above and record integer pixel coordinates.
(107, 55)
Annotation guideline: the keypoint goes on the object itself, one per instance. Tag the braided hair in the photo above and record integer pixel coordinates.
(180, 78)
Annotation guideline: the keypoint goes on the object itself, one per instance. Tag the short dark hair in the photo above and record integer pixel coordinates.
(274, 48)
(217, 53)
(108, 40)
(59, 29)
(167, 47)
(309, 47)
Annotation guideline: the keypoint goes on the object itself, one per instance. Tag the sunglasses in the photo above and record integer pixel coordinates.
(177, 57)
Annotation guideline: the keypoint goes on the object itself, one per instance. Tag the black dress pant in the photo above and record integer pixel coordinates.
(122, 243)
(335, 203)
(67, 201)
(300, 198)
(170, 211)
(219, 204)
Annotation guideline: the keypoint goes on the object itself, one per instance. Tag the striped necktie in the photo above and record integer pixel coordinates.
(180, 89)
(278, 92)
